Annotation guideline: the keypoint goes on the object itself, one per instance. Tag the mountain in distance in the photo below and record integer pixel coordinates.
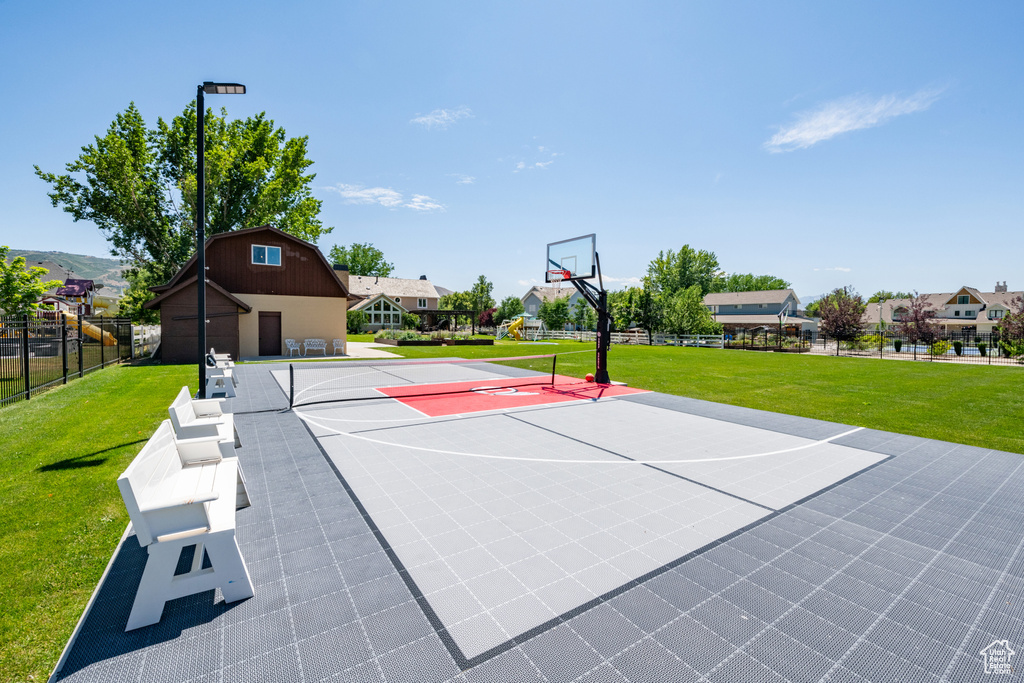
(102, 271)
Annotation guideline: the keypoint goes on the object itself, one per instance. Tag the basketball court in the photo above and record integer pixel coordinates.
(514, 498)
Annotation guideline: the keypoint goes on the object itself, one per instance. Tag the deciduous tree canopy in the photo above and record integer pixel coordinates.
(20, 287)
(841, 312)
(362, 259)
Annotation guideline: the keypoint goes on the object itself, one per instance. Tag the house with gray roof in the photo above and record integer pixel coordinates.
(965, 311)
(538, 295)
(387, 298)
(762, 309)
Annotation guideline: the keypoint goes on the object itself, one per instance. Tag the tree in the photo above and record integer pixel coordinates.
(510, 308)
(362, 259)
(748, 282)
(841, 312)
(914, 321)
(354, 321)
(886, 295)
(812, 309)
(21, 288)
(685, 313)
(672, 271)
(1012, 324)
(480, 294)
(138, 185)
(555, 314)
(456, 301)
(583, 316)
(486, 318)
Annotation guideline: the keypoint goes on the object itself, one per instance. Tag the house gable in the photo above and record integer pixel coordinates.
(303, 270)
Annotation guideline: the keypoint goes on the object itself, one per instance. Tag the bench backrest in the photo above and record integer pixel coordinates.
(147, 477)
(181, 411)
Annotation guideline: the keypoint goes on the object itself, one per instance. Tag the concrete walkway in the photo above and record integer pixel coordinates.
(355, 350)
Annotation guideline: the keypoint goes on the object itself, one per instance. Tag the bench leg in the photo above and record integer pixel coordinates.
(154, 589)
(227, 561)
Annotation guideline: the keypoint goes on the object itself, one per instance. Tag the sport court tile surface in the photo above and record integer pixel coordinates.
(905, 571)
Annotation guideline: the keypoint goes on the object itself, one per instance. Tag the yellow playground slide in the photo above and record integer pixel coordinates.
(92, 330)
(516, 328)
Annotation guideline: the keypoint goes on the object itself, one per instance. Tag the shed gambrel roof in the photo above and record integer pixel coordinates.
(370, 286)
(767, 296)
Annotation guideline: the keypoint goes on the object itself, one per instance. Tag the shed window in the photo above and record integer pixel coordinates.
(266, 256)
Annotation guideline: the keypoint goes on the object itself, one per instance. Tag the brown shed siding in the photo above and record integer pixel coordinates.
(179, 326)
(301, 272)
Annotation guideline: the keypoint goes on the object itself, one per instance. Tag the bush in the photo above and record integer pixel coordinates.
(354, 322)
(410, 321)
(400, 335)
(939, 347)
(983, 349)
(958, 347)
(897, 344)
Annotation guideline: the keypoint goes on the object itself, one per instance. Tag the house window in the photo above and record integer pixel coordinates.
(898, 313)
(995, 315)
(963, 299)
(398, 299)
(739, 306)
(532, 308)
(762, 305)
(969, 314)
(956, 314)
(421, 303)
(266, 256)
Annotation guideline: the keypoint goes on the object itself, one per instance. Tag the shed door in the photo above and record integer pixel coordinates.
(270, 333)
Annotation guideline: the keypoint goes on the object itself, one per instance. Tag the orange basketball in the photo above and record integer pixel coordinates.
(589, 377)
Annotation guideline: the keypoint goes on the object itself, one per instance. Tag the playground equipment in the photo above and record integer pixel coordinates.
(514, 328)
(93, 331)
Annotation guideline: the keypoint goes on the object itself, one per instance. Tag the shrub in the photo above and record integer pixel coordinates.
(983, 349)
(958, 347)
(400, 335)
(940, 347)
(354, 322)
(410, 321)
(897, 344)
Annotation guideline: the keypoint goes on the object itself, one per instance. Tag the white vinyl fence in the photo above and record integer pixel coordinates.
(716, 341)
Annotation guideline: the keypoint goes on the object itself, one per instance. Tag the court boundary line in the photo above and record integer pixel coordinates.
(465, 663)
(515, 458)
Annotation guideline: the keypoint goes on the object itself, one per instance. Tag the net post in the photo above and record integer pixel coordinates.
(554, 360)
(291, 385)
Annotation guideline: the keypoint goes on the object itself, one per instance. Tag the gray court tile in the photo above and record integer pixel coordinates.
(606, 630)
(649, 662)
(560, 654)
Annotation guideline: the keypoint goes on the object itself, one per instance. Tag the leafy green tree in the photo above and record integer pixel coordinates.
(480, 294)
(20, 287)
(140, 279)
(583, 316)
(841, 313)
(510, 308)
(673, 271)
(885, 295)
(362, 259)
(685, 313)
(748, 282)
(138, 185)
(456, 301)
(355, 321)
(555, 314)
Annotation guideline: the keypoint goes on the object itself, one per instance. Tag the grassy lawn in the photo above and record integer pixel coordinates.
(61, 454)
(62, 451)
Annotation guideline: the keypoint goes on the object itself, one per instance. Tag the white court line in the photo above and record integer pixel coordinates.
(586, 462)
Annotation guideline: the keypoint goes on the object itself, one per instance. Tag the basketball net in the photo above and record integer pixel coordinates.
(556, 276)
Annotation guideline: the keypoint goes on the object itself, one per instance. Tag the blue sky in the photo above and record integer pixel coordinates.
(876, 144)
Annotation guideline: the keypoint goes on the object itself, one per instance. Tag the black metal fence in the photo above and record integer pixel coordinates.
(769, 339)
(46, 348)
(978, 348)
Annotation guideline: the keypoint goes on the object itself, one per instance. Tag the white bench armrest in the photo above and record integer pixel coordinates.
(180, 502)
(178, 535)
(207, 407)
(200, 450)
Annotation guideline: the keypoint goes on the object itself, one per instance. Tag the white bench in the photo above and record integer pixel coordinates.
(194, 418)
(315, 345)
(173, 506)
(292, 346)
(219, 369)
(338, 344)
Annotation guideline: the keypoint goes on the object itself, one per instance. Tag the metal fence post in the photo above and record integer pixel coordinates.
(103, 360)
(64, 345)
(81, 350)
(24, 356)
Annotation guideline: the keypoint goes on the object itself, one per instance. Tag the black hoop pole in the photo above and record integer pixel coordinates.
(291, 385)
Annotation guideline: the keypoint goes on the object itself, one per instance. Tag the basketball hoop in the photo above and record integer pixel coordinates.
(557, 275)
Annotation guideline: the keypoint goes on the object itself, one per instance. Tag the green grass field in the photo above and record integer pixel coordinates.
(63, 450)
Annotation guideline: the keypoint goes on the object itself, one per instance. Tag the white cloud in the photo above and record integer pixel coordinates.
(386, 197)
(844, 115)
(630, 281)
(529, 283)
(840, 269)
(519, 166)
(442, 118)
(463, 179)
(543, 164)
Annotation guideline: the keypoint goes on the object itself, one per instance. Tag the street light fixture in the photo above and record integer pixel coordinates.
(212, 89)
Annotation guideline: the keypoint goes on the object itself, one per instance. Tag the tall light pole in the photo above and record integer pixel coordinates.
(212, 89)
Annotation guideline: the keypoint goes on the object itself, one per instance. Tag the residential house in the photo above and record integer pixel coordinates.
(539, 294)
(263, 286)
(744, 311)
(386, 299)
(79, 293)
(966, 311)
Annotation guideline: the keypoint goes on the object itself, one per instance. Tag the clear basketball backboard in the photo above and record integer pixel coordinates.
(571, 259)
